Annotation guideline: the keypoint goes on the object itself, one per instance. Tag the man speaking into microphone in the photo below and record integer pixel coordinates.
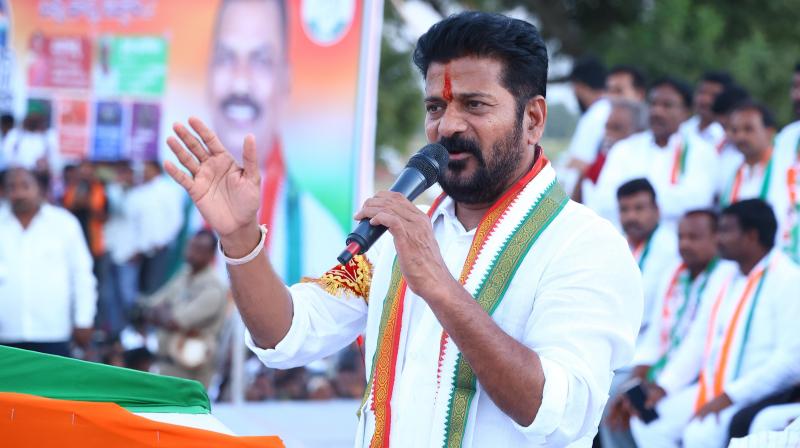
(498, 317)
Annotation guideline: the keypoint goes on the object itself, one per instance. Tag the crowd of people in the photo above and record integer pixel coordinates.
(704, 186)
(108, 262)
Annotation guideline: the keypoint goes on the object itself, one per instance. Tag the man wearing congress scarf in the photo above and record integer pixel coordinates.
(497, 318)
(741, 347)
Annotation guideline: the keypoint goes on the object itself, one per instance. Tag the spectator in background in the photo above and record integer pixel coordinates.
(86, 199)
(588, 79)
(188, 312)
(627, 118)
(680, 294)
(626, 82)
(702, 124)
(743, 344)
(787, 146)
(46, 283)
(164, 201)
(123, 231)
(763, 173)
(32, 146)
(728, 156)
(7, 123)
(654, 247)
(676, 165)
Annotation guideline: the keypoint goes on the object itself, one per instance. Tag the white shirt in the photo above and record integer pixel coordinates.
(638, 156)
(713, 134)
(788, 140)
(590, 130)
(787, 148)
(650, 348)
(660, 256)
(575, 300)
(124, 229)
(769, 360)
(753, 182)
(46, 281)
(22, 148)
(729, 159)
(163, 220)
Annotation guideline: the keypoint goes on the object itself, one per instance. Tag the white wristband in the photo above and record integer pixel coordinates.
(252, 255)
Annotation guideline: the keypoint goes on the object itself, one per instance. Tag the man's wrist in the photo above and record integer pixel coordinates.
(241, 242)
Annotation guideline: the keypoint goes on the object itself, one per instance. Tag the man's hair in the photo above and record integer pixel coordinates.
(7, 120)
(283, 13)
(42, 178)
(638, 111)
(767, 117)
(732, 96)
(208, 234)
(636, 186)
(755, 214)
(713, 216)
(589, 70)
(717, 76)
(513, 42)
(678, 85)
(637, 75)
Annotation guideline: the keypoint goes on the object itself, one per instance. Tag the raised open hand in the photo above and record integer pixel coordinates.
(227, 195)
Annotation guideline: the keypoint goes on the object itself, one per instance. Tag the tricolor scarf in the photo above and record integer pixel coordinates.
(502, 239)
(678, 310)
(722, 362)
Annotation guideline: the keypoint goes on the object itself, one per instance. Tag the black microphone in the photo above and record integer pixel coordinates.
(422, 171)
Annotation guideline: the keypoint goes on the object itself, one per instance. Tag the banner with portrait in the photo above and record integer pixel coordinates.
(300, 75)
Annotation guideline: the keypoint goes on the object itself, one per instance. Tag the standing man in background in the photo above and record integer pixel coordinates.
(588, 79)
(47, 287)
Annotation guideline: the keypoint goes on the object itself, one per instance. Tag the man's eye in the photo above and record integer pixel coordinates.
(433, 108)
(474, 104)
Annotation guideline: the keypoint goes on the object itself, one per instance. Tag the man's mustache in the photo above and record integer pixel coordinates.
(457, 145)
(241, 100)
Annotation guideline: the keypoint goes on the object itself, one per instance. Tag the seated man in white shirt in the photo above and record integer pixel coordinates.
(742, 346)
(680, 295)
(627, 118)
(702, 124)
(654, 247)
(46, 281)
(449, 362)
(675, 164)
(763, 172)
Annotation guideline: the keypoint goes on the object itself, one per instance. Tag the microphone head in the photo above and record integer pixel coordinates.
(431, 160)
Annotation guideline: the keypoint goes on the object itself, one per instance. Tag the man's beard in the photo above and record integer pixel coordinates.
(489, 180)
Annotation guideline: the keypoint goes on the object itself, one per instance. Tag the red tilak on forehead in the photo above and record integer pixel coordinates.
(447, 90)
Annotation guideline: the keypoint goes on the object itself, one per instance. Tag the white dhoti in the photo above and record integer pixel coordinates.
(675, 424)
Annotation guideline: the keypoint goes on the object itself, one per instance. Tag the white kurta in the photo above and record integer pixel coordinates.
(787, 148)
(713, 134)
(575, 300)
(46, 281)
(753, 182)
(728, 161)
(662, 254)
(650, 348)
(638, 156)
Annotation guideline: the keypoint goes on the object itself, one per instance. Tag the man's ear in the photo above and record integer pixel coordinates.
(535, 119)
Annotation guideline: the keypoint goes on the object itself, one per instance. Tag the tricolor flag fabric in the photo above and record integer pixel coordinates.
(48, 400)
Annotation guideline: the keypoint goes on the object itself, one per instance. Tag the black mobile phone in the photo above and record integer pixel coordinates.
(637, 397)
